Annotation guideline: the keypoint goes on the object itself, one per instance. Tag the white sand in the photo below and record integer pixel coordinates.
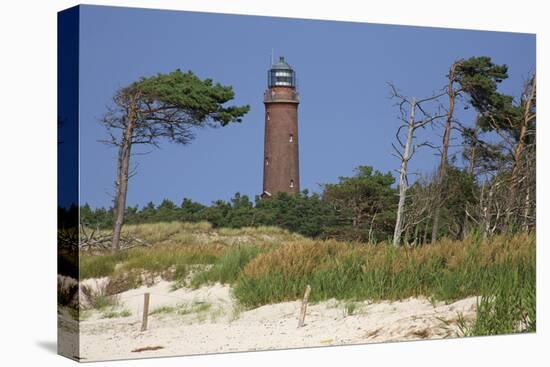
(222, 328)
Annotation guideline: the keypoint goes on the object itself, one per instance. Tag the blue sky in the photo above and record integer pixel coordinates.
(346, 118)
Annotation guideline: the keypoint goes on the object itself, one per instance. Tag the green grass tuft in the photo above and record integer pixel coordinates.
(349, 308)
(182, 308)
(229, 266)
(100, 265)
(115, 314)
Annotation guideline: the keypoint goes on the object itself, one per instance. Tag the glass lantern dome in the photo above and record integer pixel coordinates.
(281, 75)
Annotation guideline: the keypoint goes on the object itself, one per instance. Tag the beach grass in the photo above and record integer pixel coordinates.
(268, 265)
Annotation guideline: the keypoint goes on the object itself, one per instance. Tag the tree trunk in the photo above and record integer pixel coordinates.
(471, 174)
(529, 98)
(416, 234)
(122, 178)
(442, 174)
(530, 190)
(403, 177)
(526, 211)
(482, 208)
(512, 213)
(426, 227)
(487, 213)
(371, 229)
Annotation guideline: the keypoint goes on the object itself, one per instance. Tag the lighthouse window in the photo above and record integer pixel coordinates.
(291, 183)
(267, 114)
(267, 161)
(291, 138)
(283, 78)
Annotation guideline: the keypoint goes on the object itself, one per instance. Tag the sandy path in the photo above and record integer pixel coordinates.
(222, 328)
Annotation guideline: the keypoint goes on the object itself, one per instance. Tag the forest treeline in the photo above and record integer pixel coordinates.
(484, 180)
(357, 208)
(360, 207)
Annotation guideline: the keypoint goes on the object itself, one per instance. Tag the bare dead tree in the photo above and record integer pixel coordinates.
(528, 107)
(529, 201)
(92, 240)
(418, 209)
(524, 172)
(442, 171)
(407, 148)
(516, 126)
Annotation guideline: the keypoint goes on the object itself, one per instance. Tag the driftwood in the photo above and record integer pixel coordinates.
(145, 349)
(91, 241)
(67, 238)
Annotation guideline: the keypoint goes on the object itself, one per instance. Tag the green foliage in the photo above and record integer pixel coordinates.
(201, 99)
(190, 211)
(165, 211)
(361, 207)
(169, 106)
(302, 213)
(479, 77)
(460, 192)
(366, 203)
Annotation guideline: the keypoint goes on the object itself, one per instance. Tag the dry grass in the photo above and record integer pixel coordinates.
(97, 297)
(446, 271)
(202, 233)
(305, 257)
(268, 265)
(177, 247)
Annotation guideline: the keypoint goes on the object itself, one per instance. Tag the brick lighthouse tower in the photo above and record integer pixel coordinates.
(281, 162)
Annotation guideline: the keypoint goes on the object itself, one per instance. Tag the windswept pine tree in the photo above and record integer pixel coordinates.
(165, 106)
(478, 78)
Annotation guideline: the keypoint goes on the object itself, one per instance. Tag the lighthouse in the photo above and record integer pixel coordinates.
(281, 157)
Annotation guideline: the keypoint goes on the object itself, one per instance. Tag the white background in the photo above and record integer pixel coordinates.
(28, 181)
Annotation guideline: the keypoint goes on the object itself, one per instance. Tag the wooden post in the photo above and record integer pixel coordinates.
(145, 311)
(304, 306)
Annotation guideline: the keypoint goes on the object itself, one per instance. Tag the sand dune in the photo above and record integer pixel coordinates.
(206, 320)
